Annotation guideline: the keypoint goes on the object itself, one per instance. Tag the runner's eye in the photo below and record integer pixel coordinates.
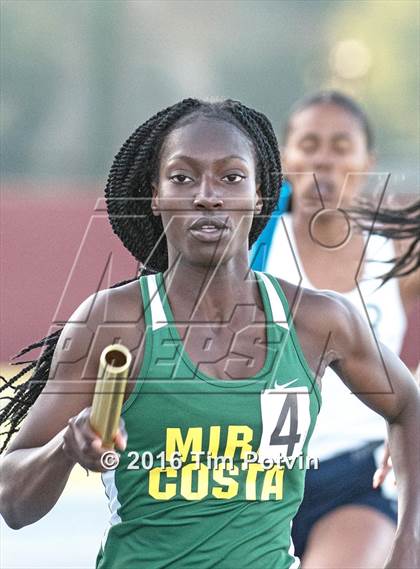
(234, 178)
(180, 179)
(308, 145)
(342, 146)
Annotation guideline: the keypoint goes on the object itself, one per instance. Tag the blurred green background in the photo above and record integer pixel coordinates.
(79, 76)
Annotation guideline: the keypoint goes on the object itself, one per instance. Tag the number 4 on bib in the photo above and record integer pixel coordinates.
(285, 420)
(290, 407)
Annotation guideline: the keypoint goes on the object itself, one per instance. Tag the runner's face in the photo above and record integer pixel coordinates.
(328, 141)
(207, 192)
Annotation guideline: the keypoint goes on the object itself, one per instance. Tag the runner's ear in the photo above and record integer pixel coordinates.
(154, 204)
(259, 201)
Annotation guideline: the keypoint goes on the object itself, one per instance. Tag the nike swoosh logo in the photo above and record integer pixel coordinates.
(283, 385)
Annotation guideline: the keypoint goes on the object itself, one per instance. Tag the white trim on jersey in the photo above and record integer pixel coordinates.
(111, 491)
(279, 315)
(156, 307)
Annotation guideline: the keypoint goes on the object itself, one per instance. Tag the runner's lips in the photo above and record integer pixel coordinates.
(324, 190)
(208, 224)
(208, 229)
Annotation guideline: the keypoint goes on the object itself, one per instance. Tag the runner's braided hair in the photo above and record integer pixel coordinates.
(399, 223)
(128, 195)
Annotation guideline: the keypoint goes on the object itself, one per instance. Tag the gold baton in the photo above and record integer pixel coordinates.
(114, 365)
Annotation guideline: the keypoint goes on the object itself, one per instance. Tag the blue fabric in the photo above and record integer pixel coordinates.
(261, 247)
(340, 481)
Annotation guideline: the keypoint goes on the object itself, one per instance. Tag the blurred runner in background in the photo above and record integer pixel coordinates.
(328, 150)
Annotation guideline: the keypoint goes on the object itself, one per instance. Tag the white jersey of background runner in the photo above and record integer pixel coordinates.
(345, 423)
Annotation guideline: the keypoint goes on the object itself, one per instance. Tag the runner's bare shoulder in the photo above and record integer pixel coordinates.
(106, 317)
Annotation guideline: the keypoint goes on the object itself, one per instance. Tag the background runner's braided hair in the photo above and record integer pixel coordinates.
(401, 223)
(128, 194)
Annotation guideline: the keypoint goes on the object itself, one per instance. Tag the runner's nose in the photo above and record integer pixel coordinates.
(207, 198)
(322, 161)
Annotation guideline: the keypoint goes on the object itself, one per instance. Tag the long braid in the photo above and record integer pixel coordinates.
(398, 224)
(26, 393)
(268, 154)
(128, 195)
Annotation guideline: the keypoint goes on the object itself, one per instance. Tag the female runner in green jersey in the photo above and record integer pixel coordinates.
(224, 388)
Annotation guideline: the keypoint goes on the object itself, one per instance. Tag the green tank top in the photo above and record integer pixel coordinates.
(213, 472)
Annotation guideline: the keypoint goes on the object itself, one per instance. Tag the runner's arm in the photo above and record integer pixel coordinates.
(56, 433)
(379, 378)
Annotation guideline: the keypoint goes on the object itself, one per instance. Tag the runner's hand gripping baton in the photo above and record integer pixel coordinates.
(114, 365)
